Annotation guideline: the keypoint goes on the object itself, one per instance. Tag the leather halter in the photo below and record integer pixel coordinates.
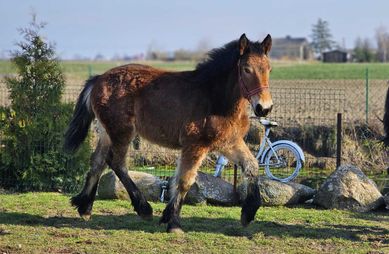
(246, 92)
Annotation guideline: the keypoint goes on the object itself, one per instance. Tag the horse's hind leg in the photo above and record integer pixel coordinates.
(241, 155)
(84, 200)
(117, 161)
(186, 173)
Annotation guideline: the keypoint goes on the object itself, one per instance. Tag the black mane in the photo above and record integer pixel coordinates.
(214, 75)
(220, 61)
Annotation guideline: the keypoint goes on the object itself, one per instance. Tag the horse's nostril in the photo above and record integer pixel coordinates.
(260, 111)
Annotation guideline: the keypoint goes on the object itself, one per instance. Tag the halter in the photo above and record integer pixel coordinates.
(244, 89)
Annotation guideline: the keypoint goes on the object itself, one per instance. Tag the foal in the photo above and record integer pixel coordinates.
(195, 111)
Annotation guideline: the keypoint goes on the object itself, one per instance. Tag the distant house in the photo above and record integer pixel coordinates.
(291, 48)
(335, 56)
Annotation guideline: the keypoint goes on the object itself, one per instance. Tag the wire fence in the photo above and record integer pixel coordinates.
(297, 103)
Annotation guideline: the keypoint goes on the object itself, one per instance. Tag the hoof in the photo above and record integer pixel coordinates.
(244, 220)
(177, 231)
(83, 205)
(85, 217)
(145, 211)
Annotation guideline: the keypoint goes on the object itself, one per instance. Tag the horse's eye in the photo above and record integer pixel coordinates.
(247, 70)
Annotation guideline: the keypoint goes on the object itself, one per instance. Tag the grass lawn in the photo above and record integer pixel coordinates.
(45, 223)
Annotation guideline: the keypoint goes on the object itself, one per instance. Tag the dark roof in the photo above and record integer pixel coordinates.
(335, 51)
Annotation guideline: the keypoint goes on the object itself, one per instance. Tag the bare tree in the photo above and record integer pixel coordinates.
(363, 51)
(382, 37)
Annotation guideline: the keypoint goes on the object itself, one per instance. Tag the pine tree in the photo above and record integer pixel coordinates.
(32, 128)
(40, 82)
(321, 37)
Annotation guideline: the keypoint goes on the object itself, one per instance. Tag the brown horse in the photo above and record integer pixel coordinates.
(196, 111)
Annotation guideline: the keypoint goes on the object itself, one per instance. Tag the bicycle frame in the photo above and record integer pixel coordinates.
(265, 140)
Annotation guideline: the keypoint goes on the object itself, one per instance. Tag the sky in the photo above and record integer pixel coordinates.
(85, 28)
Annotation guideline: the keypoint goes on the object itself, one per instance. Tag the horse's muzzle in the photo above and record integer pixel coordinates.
(261, 112)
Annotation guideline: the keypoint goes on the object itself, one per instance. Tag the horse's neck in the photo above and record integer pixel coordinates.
(225, 96)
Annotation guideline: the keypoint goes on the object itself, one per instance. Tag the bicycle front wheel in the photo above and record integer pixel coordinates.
(282, 163)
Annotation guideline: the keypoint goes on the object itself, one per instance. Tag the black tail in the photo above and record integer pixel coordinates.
(386, 119)
(82, 119)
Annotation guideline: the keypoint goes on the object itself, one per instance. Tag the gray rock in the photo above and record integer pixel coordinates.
(110, 186)
(348, 188)
(274, 193)
(212, 190)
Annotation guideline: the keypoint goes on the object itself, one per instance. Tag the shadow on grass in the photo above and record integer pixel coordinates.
(226, 226)
(381, 216)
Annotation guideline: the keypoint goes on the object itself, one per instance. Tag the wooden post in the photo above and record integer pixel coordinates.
(235, 177)
(339, 140)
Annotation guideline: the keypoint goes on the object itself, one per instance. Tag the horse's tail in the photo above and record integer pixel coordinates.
(82, 118)
(386, 119)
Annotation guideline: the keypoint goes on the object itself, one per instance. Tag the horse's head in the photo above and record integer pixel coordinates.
(253, 73)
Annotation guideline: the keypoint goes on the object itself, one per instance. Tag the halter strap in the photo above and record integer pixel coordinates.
(246, 92)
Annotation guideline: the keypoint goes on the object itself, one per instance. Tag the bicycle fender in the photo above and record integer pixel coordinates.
(291, 143)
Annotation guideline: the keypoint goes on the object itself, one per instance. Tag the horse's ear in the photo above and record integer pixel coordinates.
(266, 44)
(243, 44)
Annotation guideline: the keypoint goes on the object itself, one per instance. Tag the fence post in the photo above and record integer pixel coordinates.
(339, 140)
(90, 72)
(236, 195)
(367, 95)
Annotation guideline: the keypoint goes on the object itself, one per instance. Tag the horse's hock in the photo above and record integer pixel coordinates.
(348, 188)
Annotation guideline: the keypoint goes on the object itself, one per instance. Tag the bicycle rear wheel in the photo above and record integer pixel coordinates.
(282, 163)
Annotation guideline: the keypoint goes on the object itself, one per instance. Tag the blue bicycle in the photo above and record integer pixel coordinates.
(282, 159)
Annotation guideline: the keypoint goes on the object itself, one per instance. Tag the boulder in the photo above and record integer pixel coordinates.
(348, 188)
(110, 186)
(275, 193)
(212, 190)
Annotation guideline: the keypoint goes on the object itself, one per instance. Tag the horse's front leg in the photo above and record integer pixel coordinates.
(241, 155)
(186, 172)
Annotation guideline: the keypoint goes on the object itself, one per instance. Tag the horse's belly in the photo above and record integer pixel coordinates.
(157, 135)
(158, 127)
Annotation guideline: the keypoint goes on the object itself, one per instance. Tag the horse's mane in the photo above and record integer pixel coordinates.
(220, 61)
(213, 74)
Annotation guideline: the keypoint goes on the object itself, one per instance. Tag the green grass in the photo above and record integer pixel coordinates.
(281, 70)
(331, 71)
(45, 223)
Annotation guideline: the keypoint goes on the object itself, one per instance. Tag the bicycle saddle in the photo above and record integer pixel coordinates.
(268, 123)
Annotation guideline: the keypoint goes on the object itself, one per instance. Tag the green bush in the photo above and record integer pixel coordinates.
(32, 128)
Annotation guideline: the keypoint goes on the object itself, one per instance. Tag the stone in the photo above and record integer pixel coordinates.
(110, 186)
(211, 190)
(275, 193)
(348, 188)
